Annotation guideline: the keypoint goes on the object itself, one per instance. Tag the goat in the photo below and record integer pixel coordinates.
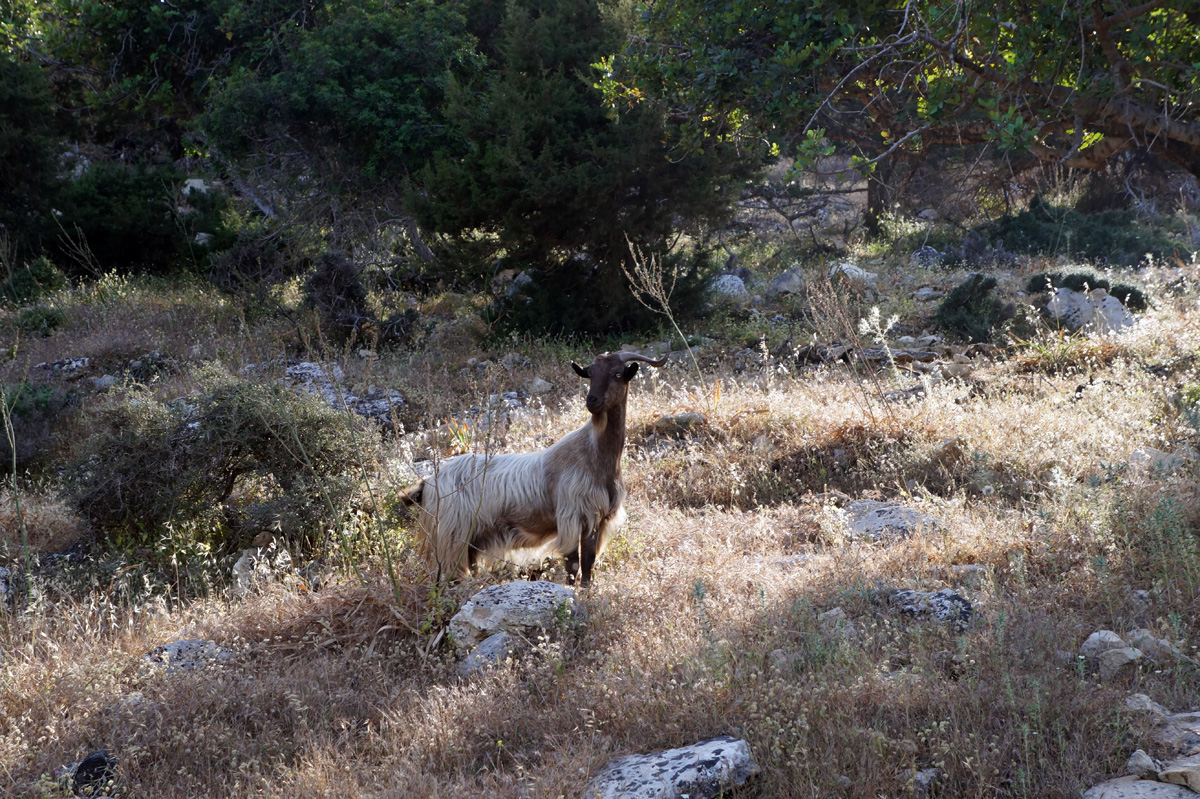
(567, 499)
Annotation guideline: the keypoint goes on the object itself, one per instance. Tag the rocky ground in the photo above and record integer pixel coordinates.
(864, 557)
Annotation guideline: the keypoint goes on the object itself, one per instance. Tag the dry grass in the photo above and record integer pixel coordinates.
(728, 559)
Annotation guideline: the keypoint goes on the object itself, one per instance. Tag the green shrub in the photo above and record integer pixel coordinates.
(1131, 297)
(35, 412)
(134, 219)
(582, 297)
(40, 320)
(1110, 237)
(243, 457)
(32, 281)
(972, 310)
(29, 148)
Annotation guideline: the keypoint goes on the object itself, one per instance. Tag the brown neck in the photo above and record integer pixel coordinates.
(608, 428)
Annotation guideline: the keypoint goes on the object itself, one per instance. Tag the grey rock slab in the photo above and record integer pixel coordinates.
(1117, 662)
(1185, 771)
(1154, 647)
(701, 771)
(790, 282)
(1140, 703)
(521, 608)
(188, 655)
(944, 605)
(491, 652)
(1179, 732)
(876, 521)
(1100, 642)
(1137, 788)
(537, 386)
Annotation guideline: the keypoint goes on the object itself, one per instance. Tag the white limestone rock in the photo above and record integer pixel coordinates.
(188, 655)
(523, 609)
(729, 287)
(854, 275)
(1095, 311)
(700, 771)
(867, 519)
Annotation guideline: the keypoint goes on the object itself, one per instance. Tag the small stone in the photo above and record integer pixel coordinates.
(1099, 642)
(679, 424)
(104, 383)
(537, 386)
(1118, 662)
(868, 519)
(1142, 765)
(491, 652)
(188, 655)
(701, 771)
(944, 605)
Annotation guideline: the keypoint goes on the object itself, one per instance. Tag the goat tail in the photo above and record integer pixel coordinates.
(412, 495)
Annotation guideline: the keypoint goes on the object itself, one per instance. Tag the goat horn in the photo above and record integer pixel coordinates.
(637, 356)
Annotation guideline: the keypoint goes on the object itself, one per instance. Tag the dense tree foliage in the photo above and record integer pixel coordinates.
(29, 141)
(563, 187)
(1073, 83)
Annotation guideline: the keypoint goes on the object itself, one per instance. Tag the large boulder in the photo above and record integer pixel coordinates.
(523, 609)
(1095, 311)
(790, 282)
(729, 287)
(700, 771)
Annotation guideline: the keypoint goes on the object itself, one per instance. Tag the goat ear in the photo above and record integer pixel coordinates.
(579, 370)
(630, 371)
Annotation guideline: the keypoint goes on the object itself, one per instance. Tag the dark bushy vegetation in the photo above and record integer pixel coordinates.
(238, 459)
(1112, 238)
(34, 411)
(31, 282)
(559, 184)
(133, 218)
(972, 310)
(29, 142)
